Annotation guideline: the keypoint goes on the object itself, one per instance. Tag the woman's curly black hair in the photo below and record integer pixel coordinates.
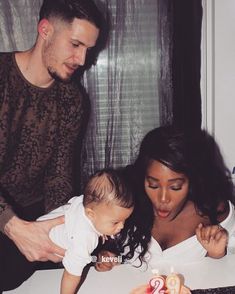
(198, 157)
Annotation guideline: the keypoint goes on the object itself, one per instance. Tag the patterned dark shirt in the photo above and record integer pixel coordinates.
(38, 129)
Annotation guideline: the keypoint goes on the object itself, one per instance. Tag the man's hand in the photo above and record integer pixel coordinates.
(32, 238)
(108, 264)
(214, 239)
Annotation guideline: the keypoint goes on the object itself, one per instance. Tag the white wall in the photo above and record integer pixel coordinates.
(218, 74)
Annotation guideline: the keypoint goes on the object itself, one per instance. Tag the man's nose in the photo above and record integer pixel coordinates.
(80, 55)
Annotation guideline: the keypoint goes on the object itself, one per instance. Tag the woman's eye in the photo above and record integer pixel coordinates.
(152, 186)
(75, 44)
(176, 188)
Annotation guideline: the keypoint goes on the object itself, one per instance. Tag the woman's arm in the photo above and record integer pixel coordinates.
(69, 283)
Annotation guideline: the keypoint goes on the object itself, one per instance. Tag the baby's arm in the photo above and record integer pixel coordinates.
(69, 283)
(103, 266)
(214, 239)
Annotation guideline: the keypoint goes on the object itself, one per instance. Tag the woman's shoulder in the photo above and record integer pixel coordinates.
(228, 222)
(223, 210)
(189, 219)
(221, 213)
(191, 211)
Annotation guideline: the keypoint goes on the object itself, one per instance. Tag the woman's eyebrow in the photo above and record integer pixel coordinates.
(177, 179)
(170, 180)
(152, 178)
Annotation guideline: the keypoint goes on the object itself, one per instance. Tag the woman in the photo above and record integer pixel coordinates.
(185, 194)
(184, 197)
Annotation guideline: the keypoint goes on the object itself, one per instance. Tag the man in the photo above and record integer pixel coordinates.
(41, 112)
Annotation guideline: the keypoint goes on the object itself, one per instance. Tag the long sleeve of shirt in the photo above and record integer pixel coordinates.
(38, 131)
(6, 213)
(59, 177)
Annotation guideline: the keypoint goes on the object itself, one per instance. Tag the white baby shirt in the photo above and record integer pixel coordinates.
(77, 235)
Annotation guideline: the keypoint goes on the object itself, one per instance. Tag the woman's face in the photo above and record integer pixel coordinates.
(166, 189)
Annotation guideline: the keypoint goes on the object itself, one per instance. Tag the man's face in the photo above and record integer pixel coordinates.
(66, 47)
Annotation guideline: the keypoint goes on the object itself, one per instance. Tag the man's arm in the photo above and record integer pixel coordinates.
(31, 238)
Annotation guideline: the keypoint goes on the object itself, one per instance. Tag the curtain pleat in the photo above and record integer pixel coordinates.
(18, 24)
(125, 87)
(148, 75)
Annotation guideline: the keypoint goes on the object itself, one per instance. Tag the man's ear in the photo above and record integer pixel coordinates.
(90, 213)
(44, 28)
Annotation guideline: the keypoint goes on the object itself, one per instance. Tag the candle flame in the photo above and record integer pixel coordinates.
(155, 271)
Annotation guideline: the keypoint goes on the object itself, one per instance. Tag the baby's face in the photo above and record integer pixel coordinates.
(109, 219)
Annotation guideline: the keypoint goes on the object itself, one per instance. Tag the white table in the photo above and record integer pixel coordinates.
(209, 273)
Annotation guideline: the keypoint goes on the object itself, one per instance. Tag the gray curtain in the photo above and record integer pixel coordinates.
(130, 87)
(18, 23)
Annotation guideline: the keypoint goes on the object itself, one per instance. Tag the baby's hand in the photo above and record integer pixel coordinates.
(214, 239)
(105, 261)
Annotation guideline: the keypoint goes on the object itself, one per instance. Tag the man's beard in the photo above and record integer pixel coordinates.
(57, 77)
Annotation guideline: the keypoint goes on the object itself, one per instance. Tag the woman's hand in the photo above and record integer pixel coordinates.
(214, 239)
(106, 261)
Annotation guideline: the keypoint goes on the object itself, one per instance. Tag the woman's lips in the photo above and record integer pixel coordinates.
(163, 213)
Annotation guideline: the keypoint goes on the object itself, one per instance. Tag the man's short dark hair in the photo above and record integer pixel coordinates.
(67, 10)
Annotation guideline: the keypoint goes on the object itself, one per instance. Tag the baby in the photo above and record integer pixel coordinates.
(101, 212)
